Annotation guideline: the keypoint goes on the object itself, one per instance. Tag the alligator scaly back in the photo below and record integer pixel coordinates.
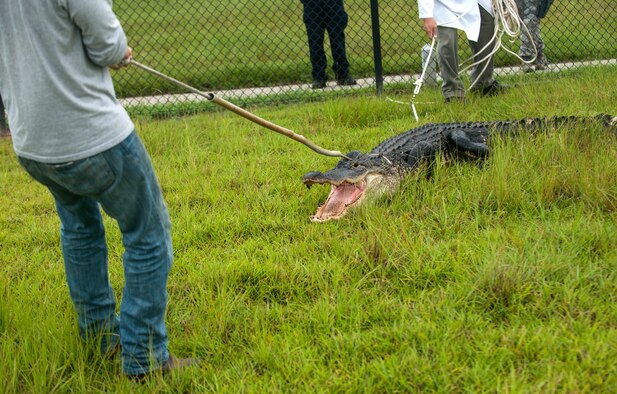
(381, 169)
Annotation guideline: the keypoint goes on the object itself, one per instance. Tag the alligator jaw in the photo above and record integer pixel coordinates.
(351, 181)
(341, 198)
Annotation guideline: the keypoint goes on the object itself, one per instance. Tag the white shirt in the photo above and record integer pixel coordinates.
(459, 14)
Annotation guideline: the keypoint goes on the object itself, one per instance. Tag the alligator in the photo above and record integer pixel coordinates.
(359, 175)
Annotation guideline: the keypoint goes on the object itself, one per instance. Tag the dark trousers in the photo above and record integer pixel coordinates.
(319, 17)
(3, 126)
(447, 47)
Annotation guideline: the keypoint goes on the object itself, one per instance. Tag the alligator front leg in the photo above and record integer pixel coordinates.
(463, 142)
(419, 152)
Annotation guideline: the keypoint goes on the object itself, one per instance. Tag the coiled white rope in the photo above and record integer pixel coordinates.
(507, 22)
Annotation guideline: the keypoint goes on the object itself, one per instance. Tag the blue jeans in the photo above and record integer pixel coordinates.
(121, 180)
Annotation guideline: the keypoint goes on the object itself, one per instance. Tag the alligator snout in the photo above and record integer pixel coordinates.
(313, 177)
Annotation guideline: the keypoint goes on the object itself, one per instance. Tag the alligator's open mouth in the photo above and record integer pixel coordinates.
(352, 182)
(341, 198)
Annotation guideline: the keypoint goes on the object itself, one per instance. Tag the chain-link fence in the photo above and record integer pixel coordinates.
(258, 50)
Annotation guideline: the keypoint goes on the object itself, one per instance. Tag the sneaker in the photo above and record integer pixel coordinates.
(172, 364)
(346, 81)
(318, 84)
(492, 89)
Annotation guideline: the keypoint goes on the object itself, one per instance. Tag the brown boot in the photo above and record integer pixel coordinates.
(172, 364)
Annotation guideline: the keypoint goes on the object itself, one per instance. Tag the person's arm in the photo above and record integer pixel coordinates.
(430, 27)
(126, 60)
(425, 10)
(102, 35)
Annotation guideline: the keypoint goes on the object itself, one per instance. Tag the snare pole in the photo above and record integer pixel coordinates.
(244, 113)
(419, 82)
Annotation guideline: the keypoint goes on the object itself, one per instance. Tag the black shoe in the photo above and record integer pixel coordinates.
(172, 364)
(492, 89)
(541, 63)
(527, 68)
(318, 84)
(455, 99)
(346, 81)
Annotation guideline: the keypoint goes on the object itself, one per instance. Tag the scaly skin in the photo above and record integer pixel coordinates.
(382, 168)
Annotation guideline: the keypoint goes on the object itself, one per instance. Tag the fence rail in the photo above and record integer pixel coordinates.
(257, 50)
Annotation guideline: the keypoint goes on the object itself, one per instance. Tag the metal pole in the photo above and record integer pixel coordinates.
(377, 46)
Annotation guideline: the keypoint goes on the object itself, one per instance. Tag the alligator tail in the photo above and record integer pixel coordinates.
(534, 124)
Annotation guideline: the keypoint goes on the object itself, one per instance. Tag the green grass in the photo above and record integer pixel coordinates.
(255, 43)
(479, 280)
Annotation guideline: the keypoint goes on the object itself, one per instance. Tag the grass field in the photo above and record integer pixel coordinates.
(499, 279)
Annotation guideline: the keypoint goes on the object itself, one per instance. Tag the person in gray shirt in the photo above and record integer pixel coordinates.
(71, 134)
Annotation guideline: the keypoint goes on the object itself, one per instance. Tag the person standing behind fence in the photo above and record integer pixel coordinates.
(532, 45)
(72, 135)
(4, 131)
(443, 19)
(321, 16)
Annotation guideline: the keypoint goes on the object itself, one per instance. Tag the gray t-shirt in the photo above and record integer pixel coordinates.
(55, 81)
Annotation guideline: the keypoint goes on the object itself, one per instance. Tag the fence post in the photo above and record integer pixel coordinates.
(377, 46)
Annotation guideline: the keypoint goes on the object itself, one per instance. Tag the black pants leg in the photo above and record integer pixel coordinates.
(336, 24)
(315, 30)
(3, 127)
